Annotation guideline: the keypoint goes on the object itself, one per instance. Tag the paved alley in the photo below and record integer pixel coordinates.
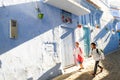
(111, 70)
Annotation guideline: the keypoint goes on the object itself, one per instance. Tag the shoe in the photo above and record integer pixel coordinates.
(81, 68)
(101, 70)
(93, 74)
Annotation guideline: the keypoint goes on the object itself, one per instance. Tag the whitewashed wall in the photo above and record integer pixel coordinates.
(35, 54)
(106, 39)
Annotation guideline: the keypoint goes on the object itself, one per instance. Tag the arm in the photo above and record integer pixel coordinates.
(90, 54)
(80, 50)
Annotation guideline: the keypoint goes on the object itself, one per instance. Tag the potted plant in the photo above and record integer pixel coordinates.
(40, 15)
(118, 30)
(113, 30)
(79, 25)
(97, 26)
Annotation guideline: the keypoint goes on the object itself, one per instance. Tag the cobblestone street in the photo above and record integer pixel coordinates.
(111, 70)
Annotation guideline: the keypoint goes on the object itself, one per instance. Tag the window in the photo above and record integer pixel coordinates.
(98, 19)
(85, 22)
(82, 20)
(66, 17)
(13, 29)
(91, 18)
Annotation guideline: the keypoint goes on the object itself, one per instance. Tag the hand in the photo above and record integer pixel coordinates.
(90, 56)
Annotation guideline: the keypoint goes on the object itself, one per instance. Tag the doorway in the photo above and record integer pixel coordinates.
(86, 37)
(67, 46)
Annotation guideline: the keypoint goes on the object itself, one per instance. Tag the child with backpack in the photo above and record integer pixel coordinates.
(97, 56)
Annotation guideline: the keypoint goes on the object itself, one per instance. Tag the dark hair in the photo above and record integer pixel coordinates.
(93, 44)
(77, 43)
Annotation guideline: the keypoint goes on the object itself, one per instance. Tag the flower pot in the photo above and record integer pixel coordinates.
(118, 30)
(40, 15)
(79, 26)
(97, 26)
(113, 30)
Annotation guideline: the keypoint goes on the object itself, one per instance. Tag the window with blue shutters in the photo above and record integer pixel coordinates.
(91, 19)
(85, 19)
(98, 19)
(82, 19)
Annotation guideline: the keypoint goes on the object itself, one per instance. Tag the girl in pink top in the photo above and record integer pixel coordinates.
(78, 55)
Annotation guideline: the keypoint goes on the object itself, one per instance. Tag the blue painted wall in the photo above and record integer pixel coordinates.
(29, 26)
(29, 47)
(101, 36)
(33, 32)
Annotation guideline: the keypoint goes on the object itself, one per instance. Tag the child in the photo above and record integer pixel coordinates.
(78, 55)
(96, 57)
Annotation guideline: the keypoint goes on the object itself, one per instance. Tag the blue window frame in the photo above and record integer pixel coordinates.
(98, 19)
(85, 22)
(91, 19)
(82, 19)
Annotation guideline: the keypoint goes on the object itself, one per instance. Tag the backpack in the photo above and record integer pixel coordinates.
(101, 53)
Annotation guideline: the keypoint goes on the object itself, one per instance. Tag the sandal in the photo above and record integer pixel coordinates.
(101, 70)
(81, 68)
(93, 74)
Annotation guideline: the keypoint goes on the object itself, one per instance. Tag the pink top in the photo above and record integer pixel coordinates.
(78, 51)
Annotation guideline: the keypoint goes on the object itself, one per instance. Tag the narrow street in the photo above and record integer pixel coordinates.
(41, 38)
(111, 66)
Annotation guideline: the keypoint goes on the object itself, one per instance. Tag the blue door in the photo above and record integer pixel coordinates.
(86, 37)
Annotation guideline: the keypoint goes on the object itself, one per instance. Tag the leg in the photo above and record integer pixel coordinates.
(81, 66)
(95, 68)
(100, 68)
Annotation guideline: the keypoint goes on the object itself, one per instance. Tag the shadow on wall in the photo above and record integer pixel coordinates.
(29, 26)
(53, 72)
(110, 38)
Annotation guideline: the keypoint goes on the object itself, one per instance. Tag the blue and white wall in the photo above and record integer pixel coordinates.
(36, 53)
(106, 36)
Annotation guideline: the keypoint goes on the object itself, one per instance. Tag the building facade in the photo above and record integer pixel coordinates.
(98, 27)
(37, 39)
(32, 47)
